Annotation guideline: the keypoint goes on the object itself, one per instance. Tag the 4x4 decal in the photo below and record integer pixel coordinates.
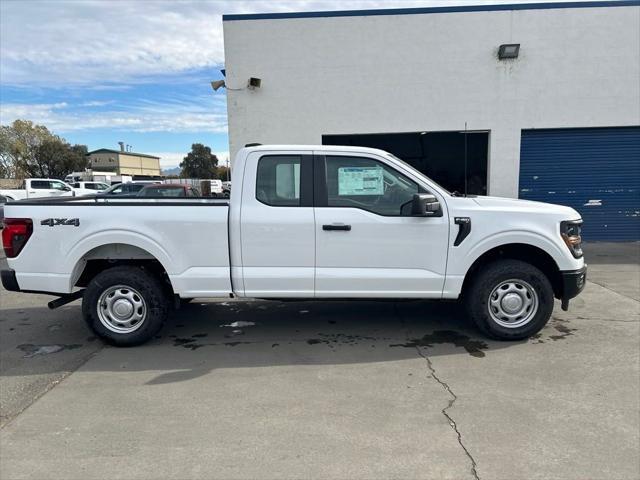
(52, 222)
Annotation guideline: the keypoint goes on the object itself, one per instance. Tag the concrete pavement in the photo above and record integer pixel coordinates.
(324, 390)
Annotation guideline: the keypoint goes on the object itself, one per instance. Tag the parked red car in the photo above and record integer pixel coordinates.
(169, 190)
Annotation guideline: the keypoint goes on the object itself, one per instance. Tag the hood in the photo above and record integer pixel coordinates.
(516, 205)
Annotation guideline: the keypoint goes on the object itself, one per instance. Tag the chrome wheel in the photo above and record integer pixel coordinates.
(513, 303)
(121, 309)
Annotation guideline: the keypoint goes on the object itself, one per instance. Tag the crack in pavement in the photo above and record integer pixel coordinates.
(445, 386)
(452, 422)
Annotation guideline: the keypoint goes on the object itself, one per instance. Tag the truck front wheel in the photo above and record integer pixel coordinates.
(510, 300)
(125, 306)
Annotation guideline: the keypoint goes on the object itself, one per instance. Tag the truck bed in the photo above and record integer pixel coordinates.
(187, 236)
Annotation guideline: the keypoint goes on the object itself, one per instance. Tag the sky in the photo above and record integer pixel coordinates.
(99, 72)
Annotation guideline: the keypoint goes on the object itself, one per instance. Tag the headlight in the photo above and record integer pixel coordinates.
(571, 231)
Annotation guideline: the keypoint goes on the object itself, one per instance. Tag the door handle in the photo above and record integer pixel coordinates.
(336, 226)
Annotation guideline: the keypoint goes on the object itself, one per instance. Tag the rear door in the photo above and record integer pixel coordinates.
(367, 242)
(40, 188)
(277, 228)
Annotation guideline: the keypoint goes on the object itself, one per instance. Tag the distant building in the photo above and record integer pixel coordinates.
(124, 163)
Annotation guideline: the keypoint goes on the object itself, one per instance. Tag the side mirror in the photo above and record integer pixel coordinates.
(424, 205)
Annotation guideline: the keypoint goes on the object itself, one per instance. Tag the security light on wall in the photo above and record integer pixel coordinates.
(252, 84)
(509, 50)
(255, 82)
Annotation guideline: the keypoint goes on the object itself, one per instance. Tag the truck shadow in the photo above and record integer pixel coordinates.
(202, 337)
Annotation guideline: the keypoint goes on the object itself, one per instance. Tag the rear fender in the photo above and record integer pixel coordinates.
(82, 251)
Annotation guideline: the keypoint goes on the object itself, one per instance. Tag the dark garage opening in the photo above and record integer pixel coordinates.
(439, 155)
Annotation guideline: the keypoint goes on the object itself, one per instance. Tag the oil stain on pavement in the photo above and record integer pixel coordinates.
(31, 350)
(473, 347)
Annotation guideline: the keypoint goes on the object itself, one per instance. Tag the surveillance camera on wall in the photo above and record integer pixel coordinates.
(217, 85)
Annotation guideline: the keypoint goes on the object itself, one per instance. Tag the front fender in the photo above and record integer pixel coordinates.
(557, 251)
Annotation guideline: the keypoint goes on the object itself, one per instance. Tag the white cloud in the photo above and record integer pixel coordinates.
(198, 115)
(99, 43)
(169, 159)
(173, 159)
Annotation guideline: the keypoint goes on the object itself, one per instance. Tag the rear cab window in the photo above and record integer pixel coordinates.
(163, 192)
(278, 180)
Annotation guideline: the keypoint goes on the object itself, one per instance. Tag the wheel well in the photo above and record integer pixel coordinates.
(113, 255)
(523, 252)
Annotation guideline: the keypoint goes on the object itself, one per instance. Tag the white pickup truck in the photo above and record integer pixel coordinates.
(303, 222)
(38, 188)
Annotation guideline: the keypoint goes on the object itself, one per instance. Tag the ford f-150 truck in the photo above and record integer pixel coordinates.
(303, 222)
(39, 187)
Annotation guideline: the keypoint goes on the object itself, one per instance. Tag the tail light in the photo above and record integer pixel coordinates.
(571, 232)
(15, 235)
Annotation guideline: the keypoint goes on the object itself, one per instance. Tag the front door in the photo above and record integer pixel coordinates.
(277, 225)
(367, 242)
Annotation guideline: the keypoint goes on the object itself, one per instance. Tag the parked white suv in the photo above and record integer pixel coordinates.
(89, 188)
(305, 222)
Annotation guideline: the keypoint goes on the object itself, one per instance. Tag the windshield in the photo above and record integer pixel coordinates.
(417, 172)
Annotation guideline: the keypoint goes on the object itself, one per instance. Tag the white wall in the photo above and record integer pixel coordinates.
(578, 67)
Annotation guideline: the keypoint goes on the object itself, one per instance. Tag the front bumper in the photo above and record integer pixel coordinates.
(573, 282)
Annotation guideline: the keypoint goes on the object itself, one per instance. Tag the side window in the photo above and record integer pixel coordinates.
(360, 182)
(278, 180)
(76, 185)
(40, 184)
(58, 186)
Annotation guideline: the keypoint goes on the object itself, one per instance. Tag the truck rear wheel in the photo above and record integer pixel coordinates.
(510, 300)
(125, 306)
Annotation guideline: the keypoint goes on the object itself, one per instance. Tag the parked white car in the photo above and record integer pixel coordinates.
(39, 187)
(216, 187)
(89, 188)
(226, 189)
(308, 223)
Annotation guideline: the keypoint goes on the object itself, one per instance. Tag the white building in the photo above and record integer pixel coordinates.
(408, 80)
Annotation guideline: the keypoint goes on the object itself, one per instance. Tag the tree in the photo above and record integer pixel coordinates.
(55, 158)
(199, 162)
(28, 150)
(223, 173)
(18, 145)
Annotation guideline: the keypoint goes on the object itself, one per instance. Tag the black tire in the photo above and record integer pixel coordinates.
(145, 286)
(185, 301)
(482, 285)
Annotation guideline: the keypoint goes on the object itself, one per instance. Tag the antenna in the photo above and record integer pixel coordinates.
(465, 159)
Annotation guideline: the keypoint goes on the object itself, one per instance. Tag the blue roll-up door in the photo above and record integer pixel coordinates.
(594, 170)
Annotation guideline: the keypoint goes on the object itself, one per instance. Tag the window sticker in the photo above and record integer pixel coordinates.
(360, 181)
